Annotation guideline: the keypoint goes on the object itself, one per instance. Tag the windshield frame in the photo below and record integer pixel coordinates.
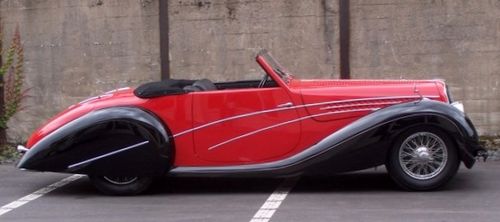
(276, 66)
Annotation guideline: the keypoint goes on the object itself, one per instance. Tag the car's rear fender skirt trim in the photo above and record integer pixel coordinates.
(102, 156)
(112, 141)
(362, 144)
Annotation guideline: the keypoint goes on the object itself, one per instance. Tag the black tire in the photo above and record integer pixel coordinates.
(407, 167)
(121, 186)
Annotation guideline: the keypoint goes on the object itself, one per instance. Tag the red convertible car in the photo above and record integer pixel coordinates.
(275, 126)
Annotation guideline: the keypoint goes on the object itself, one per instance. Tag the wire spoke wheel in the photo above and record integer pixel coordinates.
(423, 158)
(423, 155)
(121, 185)
(120, 180)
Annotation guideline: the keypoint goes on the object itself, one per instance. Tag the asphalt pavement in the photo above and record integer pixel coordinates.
(473, 195)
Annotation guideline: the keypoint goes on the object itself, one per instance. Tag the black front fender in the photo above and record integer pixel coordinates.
(366, 142)
(111, 141)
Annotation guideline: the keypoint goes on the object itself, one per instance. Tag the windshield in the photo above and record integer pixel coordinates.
(282, 72)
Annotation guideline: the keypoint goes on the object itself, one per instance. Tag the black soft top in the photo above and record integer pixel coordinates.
(173, 87)
(162, 88)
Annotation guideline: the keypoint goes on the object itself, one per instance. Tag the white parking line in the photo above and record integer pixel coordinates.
(35, 195)
(274, 201)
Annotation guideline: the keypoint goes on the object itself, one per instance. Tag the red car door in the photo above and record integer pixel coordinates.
(241, 126)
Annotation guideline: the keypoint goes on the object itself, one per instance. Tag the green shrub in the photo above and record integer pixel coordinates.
(11, 84)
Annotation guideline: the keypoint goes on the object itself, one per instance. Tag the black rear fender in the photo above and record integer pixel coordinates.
(117, 141)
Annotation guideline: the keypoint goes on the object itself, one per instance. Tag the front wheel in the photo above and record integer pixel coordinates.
(422, 158)
(121, 185)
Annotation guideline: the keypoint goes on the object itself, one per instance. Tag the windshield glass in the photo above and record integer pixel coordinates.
(276, 66)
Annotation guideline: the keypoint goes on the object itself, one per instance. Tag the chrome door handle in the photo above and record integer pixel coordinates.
(288, 104)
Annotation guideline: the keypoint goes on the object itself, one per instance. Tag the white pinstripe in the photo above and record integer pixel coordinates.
(297, 107)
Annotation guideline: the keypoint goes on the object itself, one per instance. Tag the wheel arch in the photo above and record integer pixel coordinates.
(110, 141)
(367, 142)
(440, 121)
(418, 174)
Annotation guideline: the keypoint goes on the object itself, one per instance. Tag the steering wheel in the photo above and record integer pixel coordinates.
(262, 82)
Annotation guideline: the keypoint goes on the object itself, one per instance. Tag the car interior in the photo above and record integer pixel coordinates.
(182, 86)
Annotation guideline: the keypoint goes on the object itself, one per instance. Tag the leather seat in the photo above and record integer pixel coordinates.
(205, 85)
(201, 85)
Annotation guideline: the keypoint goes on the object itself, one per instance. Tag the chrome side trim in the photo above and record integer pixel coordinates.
(95, 97)
(288, 122)
(117, 90)
(297, 107)
(288, 104)
(357, 105)
(107, 154)
(88, 99)
(231, 118)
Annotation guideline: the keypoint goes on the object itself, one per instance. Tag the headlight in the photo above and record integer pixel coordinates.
(458, 105)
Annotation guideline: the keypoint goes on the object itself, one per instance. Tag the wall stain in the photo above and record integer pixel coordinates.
(198, 3)
(95, 3)
(328, 7)
(231, 7)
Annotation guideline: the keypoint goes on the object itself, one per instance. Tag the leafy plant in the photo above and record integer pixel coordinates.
(11, 82)
(8, 154)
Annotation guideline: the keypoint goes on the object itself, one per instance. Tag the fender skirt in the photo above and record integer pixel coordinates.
(362, 144)
(121, 141)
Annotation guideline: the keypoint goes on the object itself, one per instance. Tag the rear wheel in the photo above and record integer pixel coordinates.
(423, 158)
(121, 185)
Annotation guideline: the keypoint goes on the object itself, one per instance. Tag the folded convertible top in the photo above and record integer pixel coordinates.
(162, 88)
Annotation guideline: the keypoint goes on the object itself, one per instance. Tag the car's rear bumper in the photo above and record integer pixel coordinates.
(22, 149)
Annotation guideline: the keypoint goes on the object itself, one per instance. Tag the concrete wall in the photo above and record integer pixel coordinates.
(415, 39)
(218, 39)
(454, 40)
(76, 49)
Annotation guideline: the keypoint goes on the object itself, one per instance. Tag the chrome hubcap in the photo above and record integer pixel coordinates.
(423, 155)
(121, 180)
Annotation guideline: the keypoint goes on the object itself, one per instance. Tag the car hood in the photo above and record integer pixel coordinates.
(363, 95)
(349, 89)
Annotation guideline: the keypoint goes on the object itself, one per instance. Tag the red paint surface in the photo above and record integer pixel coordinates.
(182, 113)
